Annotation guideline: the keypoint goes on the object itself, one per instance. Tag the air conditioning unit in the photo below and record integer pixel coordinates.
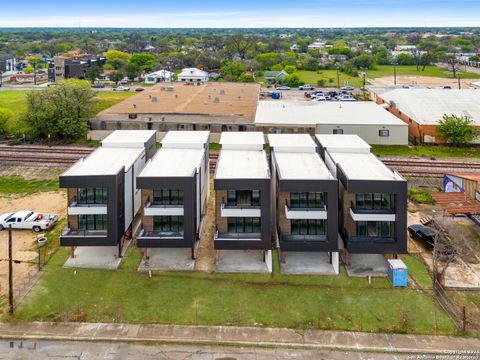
(154, 99)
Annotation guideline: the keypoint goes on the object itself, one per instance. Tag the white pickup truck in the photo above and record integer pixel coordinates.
(27, 219)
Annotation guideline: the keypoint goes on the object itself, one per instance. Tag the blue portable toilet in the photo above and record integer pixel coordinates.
(276, 95)
(397, 272)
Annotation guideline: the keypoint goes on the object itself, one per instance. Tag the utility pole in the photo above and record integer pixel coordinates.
(338, 77)
(10, 271)
(395, 71)
(459, 83)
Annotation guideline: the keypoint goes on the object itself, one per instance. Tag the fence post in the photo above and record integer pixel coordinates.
(464, 318)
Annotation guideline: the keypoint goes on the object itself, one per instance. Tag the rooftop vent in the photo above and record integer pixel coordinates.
(217, 100)
(222, 92)
(170, 88)
(154, 99)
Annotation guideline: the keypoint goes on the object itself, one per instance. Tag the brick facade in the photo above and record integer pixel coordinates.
(221, 222)
(283, 223)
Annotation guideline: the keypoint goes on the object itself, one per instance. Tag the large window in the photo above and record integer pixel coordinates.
(167, 197)
(307, 200)
(168, 224)
(243, 225)
(308, 227)
(375, 201)
(92, 196)
(92, 222)
(376, 229)
(243, 198)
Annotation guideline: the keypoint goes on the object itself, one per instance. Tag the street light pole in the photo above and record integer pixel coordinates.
(395, 72)
(338, 77)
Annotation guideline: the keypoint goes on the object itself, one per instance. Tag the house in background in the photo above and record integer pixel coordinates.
(305, 206)
(159, 76)
(175, 186)
(373, 204)
(74, 67)
(103, 201)
(274, 77)
(242, 204)
(192, 75)
(7, 63)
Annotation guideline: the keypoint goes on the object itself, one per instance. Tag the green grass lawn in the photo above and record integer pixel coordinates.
(305, 302)
(330, 77)
(425, 151)
(15, 101)
(18, 185)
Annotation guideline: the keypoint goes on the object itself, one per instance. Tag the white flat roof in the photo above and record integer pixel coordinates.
(129, 138)
(427, 106)
(194, 139)
(242, 164)
(363, 166)
(310, 113)
(242, 140)
(105, 161)
(292, 142)
(173, 163)
(301, 165)
(343, 143)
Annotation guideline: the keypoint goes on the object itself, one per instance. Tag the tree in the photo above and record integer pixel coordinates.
(405, 59)
(364, 61)
(34, 61)
(5, 116)
(293, 80)
(131, 70)
(234, 69)
(92, 73)
(246, 78)
(290, 69)
(116, 76)
(239, 45)
(143, 60)
(61, 112)
(267, 60)
(117, 55)
(456, 129)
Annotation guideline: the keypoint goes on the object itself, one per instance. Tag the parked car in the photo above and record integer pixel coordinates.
(319, 98)
(124, 81)
(348, 88)
(306, 87)
(282, 88)
(423, 233)
(139, 89)
(27, 219)
(121, 88)
(346, 98)
(98, 86)
(333, 93)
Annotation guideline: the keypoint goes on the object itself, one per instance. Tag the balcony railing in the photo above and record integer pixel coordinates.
(357, 214)
(240, 210)
(238, 236)
(290, 237)
(370, 240)
(165, 210)
(68, 232)
(75, 208)
(143, 234)
(306, 212)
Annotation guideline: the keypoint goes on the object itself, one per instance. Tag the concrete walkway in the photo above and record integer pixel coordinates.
(242, 336)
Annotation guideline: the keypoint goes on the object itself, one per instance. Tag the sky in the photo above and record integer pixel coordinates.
(238, 14)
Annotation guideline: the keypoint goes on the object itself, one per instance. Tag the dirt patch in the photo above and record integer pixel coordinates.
(31, 173)
(23, 240)
(206, 253)
(422, 81)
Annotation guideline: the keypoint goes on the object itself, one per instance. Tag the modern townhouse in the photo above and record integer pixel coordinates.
(133, 139)
(373, 198)
(103, 202)
(175, 186)
(305, 204)
(242, 204)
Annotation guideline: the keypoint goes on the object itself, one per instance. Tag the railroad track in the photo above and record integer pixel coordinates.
(26, 155)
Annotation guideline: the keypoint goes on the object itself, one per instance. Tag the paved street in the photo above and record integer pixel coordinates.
(40, 350)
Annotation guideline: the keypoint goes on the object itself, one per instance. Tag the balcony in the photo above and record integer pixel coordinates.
(162, 210)
(75, 208)
(237, 236)
(302, 238)
(371, 214)
(240, 210)
(306, 213)
(369, 240)
(158, 235)
(68, 232)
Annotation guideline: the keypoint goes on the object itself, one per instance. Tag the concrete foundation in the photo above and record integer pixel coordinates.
(306, 263)
(363, 265)
(169, 259)
(96, 257)
(243, 261)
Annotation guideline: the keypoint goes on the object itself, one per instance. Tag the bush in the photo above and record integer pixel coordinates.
(456, 130)
(246, 78)
(321, 82)
(5, 116)
(421, 196)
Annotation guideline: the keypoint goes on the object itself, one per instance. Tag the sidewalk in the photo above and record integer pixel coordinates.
(241, 336)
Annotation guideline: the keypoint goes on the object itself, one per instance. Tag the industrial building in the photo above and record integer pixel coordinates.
(175, 186)
(73, 68)
(422, 109)
(103, 201)
(242, 186)
(373, 198)
(213, 107)
(366, 119)
(305, 206)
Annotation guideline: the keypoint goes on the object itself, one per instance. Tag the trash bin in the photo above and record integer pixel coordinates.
(397, 272)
